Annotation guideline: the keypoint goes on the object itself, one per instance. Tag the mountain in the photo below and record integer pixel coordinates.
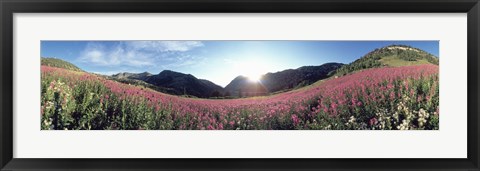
(393, 55)
(177, 83)
(58, 63)
(184, 84)
(241, 86)
(126, 75)
(172, 82)
(138, 79)
(299, 77)
(280, 81)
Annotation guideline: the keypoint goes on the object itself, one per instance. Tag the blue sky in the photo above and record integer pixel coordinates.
(217, 61)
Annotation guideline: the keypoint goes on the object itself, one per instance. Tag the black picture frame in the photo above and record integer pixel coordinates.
(9, 7)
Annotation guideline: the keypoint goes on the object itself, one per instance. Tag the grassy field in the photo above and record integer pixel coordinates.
(396, 62)
(58, 63)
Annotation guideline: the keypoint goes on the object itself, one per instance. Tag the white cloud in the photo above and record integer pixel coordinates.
(93, 53)
(139, 54)
(185, 60)
(165, 46)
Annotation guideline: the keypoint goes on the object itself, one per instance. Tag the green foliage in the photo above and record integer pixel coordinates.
(91, 105)
(58, 104)
(416, 109)
(58, 63)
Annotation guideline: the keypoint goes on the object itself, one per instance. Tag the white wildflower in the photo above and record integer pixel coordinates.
(422, 117)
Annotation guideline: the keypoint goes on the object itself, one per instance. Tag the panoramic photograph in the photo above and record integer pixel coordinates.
(239, 85)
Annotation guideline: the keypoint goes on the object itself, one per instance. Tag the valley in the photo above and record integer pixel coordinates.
(391, 88)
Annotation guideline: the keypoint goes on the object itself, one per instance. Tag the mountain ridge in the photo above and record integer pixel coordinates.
(281, 80)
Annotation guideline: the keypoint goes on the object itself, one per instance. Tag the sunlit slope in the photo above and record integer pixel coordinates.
(54, 62)
(394, 55)
(395, 61)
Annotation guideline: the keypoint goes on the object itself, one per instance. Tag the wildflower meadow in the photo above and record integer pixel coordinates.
(388, 98)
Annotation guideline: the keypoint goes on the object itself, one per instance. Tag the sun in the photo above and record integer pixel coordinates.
(252, 69)
(254, 77)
